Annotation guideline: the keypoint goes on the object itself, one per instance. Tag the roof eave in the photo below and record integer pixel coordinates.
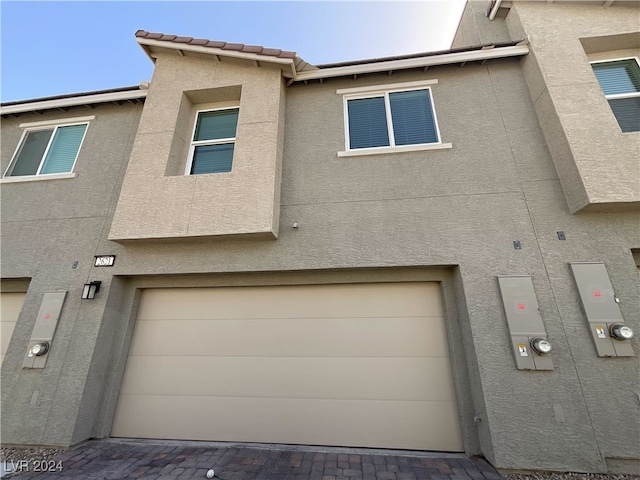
(285, 63)
(72, 102)
(427, 61)
(374, 67)
(147, 52)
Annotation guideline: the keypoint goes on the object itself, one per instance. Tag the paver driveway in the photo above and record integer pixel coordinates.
(145, 460)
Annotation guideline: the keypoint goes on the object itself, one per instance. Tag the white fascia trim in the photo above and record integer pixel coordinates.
(444, 59)
(61, 121)
(494, 10)
(37, 178)
(73, 101)
(361, 152)
(388, 86)
(217, 51)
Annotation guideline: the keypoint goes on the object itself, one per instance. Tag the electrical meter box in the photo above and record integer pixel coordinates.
(525, 323)
(600, 307)
(44, 329)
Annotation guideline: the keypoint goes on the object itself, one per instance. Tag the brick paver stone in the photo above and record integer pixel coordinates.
(142, 460)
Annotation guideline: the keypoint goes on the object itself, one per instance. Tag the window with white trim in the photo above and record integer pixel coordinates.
(620, 82)
(213, 141)
(394, 117)
(47, 149)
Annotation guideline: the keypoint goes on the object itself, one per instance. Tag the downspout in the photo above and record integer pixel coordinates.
(493, 9)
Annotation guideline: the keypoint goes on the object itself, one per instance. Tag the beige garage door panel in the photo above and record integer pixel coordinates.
(267, 337)
(348, 423)
(414, 379)
(362, 300)
(353, 364)
(10, 306)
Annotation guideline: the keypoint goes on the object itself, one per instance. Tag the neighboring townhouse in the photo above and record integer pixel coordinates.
(435, 251)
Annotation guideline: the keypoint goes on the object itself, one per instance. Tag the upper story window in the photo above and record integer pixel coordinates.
(620, 82)
(48, 148)
(213, 141)
(398, 117)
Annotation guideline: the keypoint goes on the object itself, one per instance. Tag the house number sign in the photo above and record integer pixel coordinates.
(104, 260)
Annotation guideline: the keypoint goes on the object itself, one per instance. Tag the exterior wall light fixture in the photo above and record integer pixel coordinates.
(90, 289)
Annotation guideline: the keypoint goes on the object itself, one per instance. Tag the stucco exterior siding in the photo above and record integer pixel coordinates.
(475, 28)
(589, 155)
(242, 201)
(523, 166)
(47, 226)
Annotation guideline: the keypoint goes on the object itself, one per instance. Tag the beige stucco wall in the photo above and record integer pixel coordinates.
(243, 201)
(598, 164)
(451, 215)
(476, 29)
(50, 231)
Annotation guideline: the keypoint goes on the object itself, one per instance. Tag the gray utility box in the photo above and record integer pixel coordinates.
(44, 329)
(524, 320)
(600, 306)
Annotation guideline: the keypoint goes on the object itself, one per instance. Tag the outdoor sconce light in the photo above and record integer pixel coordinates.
(90, 289)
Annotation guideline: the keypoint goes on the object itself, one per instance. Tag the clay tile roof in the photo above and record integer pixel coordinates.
(153, 36)
(233, 46)
(203, 42)
(271, 51)
(252, 48)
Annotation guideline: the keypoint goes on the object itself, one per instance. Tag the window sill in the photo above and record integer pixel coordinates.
(387, 150)
(37, 178)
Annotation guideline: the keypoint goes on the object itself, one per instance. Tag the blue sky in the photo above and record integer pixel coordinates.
(51, 48)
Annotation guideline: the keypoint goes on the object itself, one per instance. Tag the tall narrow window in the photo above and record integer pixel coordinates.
(620, 82)
(213, 142)
(47, 150)
(412, 116)
(367, 123)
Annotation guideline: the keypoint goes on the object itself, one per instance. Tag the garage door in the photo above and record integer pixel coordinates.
(10, 305)
(351, 365)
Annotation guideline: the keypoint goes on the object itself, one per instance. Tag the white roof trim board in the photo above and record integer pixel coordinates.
(446, 58)
(73, 101)
(443, 59)
(144, 42)
(374, 66)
